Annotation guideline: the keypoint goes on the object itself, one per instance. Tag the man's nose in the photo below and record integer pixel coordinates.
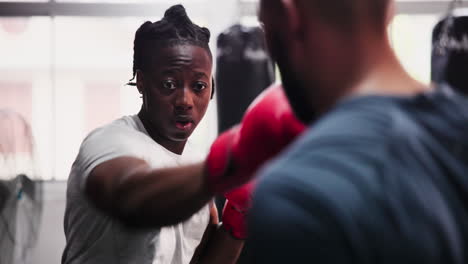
(184, 99)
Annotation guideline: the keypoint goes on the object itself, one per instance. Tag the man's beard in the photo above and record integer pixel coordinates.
(294, 89)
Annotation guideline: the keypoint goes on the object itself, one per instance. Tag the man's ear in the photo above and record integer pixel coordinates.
(212, 87)
(390, 13)
(293, 17)
(295, 28)
(140, 81)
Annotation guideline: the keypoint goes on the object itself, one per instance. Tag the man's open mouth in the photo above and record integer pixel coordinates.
(184, 123)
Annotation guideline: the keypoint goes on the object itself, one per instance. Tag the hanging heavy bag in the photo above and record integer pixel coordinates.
(449, 60)
(243, 71)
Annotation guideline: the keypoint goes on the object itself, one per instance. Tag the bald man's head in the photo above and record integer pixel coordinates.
(348, 14)
(323, 47)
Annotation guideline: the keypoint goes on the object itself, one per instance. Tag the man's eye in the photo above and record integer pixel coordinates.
(199, 86)
(169, 85)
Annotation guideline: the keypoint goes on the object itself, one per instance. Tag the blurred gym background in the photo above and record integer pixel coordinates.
(63, 69)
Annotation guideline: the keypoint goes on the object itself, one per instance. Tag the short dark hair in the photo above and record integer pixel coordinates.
(175, 28)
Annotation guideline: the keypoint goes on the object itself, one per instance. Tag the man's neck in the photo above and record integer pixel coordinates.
(382, 75)
(176, 147)
(386, 76)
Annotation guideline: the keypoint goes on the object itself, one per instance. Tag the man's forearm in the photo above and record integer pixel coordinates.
(150, 198)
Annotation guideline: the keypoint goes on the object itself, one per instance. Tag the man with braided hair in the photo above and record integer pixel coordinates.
(382, 175)
(108, 218)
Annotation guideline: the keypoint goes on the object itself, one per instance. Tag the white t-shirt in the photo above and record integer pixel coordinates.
(93, 237)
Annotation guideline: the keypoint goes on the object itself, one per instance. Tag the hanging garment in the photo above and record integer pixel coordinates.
(21, 197)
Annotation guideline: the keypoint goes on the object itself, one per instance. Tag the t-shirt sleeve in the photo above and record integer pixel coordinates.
(103, 145)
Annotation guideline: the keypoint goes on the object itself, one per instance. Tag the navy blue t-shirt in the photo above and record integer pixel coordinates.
(377, 180)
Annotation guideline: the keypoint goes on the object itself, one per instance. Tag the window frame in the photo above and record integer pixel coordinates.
(246, 8)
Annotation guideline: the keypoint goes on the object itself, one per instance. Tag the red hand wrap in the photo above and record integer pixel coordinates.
(236, 210)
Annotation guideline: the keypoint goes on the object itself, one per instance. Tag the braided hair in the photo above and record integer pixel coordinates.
(175, 28)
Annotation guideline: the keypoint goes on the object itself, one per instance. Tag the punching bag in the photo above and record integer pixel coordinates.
(243, 71)
(449, 60)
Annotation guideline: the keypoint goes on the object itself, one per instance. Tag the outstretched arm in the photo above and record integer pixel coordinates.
(128, 189)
